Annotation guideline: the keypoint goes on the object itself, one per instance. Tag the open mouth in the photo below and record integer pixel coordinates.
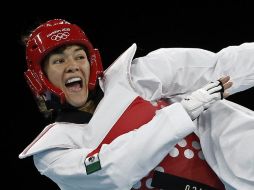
(74, 84)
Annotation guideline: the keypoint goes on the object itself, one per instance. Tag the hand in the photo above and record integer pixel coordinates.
(204, 97)
(226, 85)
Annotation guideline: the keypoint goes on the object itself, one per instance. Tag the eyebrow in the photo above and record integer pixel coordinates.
(79, 48)
(59, 52)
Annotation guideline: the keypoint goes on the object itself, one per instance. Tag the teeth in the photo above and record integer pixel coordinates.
(75, 79)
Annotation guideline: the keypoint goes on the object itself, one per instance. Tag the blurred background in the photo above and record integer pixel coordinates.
(112, 29)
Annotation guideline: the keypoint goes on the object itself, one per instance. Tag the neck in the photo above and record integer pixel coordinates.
(88, 107)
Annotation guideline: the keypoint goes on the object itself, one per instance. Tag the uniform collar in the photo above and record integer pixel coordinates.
(73, 116)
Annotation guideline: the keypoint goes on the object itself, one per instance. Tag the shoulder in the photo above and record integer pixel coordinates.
(55, 135)
(119, 70)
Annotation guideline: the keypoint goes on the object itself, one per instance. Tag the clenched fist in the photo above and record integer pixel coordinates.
(204, 97)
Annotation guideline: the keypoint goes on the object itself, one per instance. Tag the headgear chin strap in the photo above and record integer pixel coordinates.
(47, 37)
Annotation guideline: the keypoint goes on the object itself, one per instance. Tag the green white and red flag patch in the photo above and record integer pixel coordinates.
(92, 163)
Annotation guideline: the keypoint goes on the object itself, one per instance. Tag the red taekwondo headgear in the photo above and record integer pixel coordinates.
(47, 37)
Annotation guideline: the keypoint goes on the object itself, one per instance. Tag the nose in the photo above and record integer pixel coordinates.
(72, 67)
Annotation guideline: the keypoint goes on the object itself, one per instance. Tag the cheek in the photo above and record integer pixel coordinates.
(54, 77)
(86, 70)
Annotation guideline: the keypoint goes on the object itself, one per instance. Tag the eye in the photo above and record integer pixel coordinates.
(80, 57)
(58, 61)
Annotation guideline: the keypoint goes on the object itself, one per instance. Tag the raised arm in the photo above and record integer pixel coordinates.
(172, 72)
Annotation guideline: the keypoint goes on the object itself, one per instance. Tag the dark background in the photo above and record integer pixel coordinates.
(112, 29)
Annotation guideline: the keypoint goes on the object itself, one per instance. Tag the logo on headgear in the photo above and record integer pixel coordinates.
(60, 36)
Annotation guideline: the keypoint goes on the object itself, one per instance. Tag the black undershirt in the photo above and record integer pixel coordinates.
(73, 116)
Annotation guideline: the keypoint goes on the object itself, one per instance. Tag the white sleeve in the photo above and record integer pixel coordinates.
(171, 72)
(126, 160)
(226, 135)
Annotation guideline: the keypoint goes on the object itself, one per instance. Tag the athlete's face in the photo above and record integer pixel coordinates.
(69, 70)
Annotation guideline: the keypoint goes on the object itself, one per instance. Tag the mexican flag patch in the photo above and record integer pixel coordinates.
(92, 164)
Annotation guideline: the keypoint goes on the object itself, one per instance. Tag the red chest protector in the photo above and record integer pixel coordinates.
(185, 160)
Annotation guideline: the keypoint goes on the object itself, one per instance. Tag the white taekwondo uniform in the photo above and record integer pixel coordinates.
(226, 130)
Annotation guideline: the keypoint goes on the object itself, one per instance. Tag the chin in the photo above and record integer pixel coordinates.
(77, 99)
(76, 102)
